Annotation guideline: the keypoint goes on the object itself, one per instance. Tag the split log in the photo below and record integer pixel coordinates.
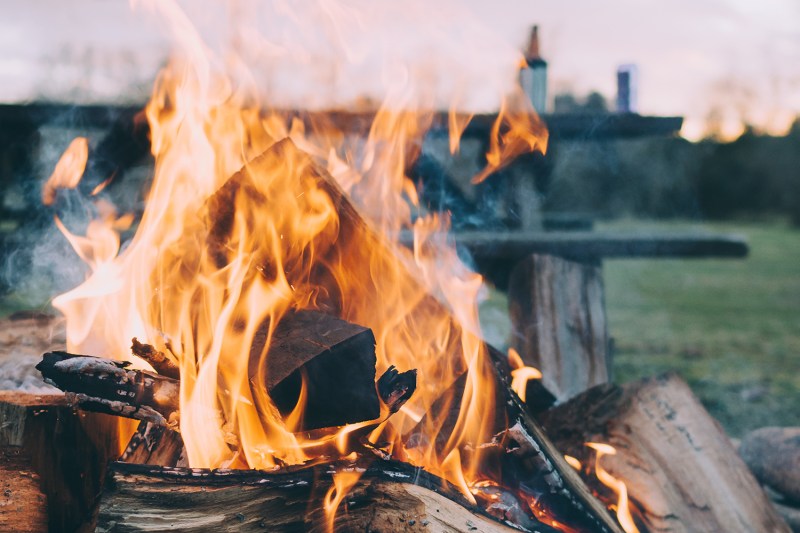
(558, 314)
(23, 506)
(67, 450)
(681, 470)
(388, 497)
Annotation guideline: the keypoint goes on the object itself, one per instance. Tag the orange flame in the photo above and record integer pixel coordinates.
(618, 486)
(68, 171)
(241, 226)
(521, 374)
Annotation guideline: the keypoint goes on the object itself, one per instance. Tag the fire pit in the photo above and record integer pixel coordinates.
(292, 363)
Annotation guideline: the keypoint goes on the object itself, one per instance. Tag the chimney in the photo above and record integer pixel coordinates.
(627, 90)
(533, 74)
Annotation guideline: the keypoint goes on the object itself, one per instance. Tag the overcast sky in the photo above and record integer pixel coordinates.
(739, 59)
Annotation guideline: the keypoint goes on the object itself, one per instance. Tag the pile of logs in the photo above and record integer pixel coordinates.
(681, 471)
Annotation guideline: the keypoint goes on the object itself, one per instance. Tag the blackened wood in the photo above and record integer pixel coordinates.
(154, 445)
(681, 470)
(538, 397)
(335, 357)
(388, 497)
(23, 506)
(395, 388)
(108, 386)
(68, 450)
(160, 361)
(558, 314)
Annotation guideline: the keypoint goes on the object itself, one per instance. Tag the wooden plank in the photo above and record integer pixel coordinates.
(681, 470)
(559, 323)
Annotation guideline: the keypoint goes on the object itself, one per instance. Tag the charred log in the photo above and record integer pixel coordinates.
(680, 468)
(336, 359)
(388, 497)
(107, 386)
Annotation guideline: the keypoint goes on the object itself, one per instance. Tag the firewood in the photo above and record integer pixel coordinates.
(773, 455)
(67, 450)
(388, 497)
(556, 307)
(335, 357)
(681, 470)
(23, 506)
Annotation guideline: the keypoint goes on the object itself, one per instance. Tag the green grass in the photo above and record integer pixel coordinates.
(730, 327)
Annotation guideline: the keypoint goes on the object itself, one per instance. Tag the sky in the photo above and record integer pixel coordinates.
(716, 62)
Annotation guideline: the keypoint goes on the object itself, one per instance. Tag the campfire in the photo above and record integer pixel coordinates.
(277, 357)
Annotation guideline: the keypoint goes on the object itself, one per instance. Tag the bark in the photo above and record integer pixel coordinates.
(559, 320)
(681, 470)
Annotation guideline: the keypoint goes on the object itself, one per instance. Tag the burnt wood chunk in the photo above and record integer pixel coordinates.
(335, 357)
(160, 362)
(681, 470)
(154, 445)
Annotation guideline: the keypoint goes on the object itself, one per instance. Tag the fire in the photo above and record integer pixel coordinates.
(618, 486)
(240, 228)
(68, 171)
(521, 374)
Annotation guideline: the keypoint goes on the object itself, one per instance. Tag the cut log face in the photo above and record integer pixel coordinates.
(388, 497)
(23, 506)
(558, 314)
(680, 468)
(68, 451)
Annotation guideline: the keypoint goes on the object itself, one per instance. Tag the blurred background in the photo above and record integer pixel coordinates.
(678, 117)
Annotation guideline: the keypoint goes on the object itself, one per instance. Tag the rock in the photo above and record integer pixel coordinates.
(773, 455)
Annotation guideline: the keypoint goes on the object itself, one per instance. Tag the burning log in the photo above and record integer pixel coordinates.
(23, 506)
(336, 358)
(388, 497)
(111, 387)
(681, 471)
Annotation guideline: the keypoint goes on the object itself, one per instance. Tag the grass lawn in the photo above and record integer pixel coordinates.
(731, 328)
